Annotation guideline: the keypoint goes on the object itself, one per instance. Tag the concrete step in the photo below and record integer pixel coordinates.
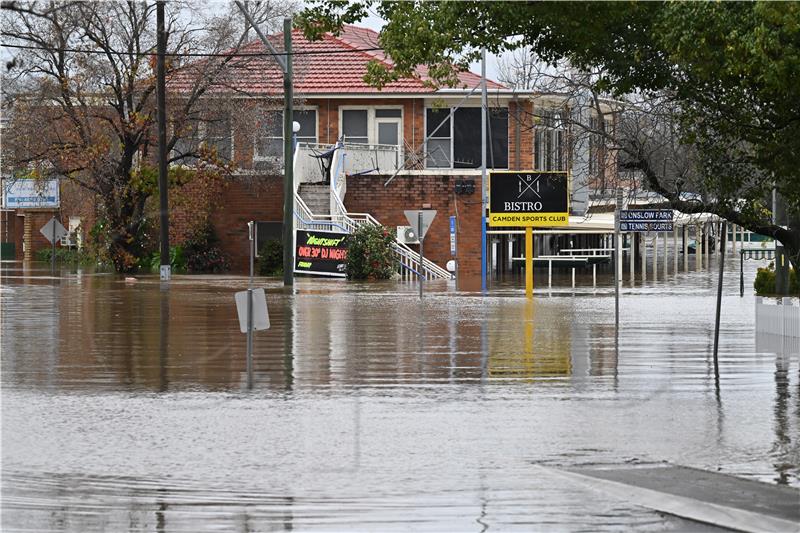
(317, 197)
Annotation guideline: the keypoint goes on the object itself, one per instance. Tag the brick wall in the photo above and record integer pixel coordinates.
(367, 194)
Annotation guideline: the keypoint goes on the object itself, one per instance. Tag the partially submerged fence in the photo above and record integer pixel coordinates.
(778, 316)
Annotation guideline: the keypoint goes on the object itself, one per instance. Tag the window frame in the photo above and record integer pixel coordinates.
(452, 135)
(372, 122)
(552, 137)
(257, 158)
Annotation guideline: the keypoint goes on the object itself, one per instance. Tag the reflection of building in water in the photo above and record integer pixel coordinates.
(528, 342)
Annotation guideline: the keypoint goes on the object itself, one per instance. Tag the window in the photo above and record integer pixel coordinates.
(213, 132)
(218, 136)
(438, 150)
(549, 143)
(459, 146)
(269, 139)
(355, 126)
(597, 147)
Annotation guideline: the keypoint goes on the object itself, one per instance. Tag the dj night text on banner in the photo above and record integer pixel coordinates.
(321, 252)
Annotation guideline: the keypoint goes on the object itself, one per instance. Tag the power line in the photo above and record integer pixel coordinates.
(191, 54)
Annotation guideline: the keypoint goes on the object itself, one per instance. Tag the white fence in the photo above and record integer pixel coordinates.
(778, 318)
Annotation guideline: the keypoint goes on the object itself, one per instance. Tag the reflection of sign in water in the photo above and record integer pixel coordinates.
(536, 199)
(645, 220)
(321, 252)
(28, 193)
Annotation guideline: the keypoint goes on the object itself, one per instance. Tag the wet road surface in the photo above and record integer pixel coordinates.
(124, 406)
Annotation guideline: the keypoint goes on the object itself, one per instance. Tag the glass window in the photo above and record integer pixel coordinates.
(549, 143)
(218, 136)
(597, 146)
(438, 150)
(188, 143)
(269, 140)
(354, 126)
(388, 113)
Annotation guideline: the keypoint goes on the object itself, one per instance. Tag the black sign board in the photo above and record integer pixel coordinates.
(645, 226)
(323, 253)
(638, 220)
(646, 215)
(528, 199)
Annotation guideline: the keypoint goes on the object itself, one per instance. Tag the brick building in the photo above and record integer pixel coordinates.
(406, 144)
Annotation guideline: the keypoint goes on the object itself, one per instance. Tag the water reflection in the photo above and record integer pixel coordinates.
(124, 405)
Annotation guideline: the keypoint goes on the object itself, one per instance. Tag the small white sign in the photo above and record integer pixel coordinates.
(29, 193)
(53, 225)
(260, 313)
(427, 218)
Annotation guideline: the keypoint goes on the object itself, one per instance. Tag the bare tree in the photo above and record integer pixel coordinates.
(80, 92)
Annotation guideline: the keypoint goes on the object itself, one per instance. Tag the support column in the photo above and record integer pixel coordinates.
(655, 258)
(706, 247)
(698, 247)
(666, 257)
(643, 251)
(675, 250)
(631, 257)
(685, 233)
(733, 242)
(27, 238)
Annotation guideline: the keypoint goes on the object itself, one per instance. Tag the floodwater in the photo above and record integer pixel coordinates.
(125, 407)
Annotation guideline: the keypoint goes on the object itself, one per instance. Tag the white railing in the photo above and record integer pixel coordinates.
(378, 158)
(781, 318)
(341, 220)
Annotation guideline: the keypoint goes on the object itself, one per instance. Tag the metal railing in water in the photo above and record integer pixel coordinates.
(339, 219)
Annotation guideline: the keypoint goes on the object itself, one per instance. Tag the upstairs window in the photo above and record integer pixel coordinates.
(459, 145)
(207, 132)
(597, 147)
(549, 146)
(269, 137)
(355, 126)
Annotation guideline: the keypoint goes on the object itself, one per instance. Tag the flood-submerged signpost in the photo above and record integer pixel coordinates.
(53, 231)
(528, 199)
(251, 306)
(420, 221)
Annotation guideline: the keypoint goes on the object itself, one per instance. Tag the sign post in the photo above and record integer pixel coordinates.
(529, 199)
(420, 221)
(617, 258)
(53, 231)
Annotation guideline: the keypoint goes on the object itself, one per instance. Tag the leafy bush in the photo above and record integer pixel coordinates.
(270, 258)
(66, 255)
(177, 260)
(764, 283)
(369, 254)
(203, 253)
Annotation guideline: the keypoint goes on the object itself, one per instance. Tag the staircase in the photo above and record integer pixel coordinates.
(317, 197)
(319, 206)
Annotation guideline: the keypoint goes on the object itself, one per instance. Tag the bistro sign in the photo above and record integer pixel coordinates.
(321, 252)
(536, 199)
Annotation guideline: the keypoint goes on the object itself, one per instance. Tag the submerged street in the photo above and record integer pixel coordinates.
(125, 407)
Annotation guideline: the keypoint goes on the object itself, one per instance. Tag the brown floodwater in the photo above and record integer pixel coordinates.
(125, 404)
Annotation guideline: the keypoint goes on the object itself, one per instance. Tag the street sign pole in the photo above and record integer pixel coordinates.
(421, 256)
(53, 253)
(250, 308)
(529, 262)
(617, 259)
(719, 304)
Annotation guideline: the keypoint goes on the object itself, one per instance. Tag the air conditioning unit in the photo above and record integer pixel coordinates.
(407, 235)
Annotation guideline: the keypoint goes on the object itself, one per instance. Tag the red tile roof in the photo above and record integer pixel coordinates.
(331, 66)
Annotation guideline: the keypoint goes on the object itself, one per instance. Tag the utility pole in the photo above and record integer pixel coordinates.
(484, 185)
(288, 158)
(284, 60)
(161, 46)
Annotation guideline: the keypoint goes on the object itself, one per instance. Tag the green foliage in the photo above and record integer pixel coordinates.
(203, 253)
(177, 260)
(369, 253)
(66, 255)
(270, 258)
(764, 283)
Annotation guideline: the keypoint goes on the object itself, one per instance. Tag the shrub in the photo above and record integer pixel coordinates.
(203, 253)
(270, 258)
(66, 255)
(369, 253)
(177, 260)
(764, 283)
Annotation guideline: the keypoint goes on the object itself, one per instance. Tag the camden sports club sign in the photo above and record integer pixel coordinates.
(538, 199)
(321, 252)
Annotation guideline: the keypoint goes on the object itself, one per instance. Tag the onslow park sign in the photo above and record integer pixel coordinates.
(639, 220)
(528, 199)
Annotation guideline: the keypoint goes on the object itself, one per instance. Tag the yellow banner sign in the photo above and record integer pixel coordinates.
(536, 220)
